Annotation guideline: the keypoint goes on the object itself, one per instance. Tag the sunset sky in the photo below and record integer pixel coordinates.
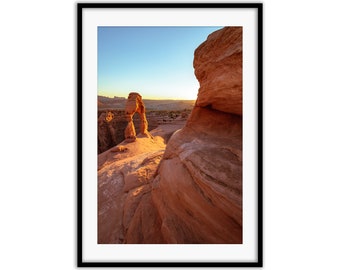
(157, 62)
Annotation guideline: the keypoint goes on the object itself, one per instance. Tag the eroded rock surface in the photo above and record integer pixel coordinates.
(106, 131)
(134, 104)
(218, 68)
(198, 190)
(125, 175)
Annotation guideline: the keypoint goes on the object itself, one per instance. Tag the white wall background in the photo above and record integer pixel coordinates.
(38, 134)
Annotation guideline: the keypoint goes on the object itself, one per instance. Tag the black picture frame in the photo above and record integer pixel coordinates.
(258, 7)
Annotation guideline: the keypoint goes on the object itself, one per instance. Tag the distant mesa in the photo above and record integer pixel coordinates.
(118, 98)
(118, 103)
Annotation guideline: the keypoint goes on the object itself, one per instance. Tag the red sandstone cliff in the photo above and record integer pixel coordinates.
(218, 68)
(193, 192)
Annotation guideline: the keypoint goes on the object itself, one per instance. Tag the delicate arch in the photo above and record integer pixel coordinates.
(133, 105)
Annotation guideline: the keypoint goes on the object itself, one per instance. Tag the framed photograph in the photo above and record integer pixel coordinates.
(169, 135)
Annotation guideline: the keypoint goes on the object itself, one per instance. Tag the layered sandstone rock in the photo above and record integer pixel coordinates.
(106, 131)
(119, 124)
(190, 193)
(198, 189)
(125, 176)
(218, 68)
(135, 104)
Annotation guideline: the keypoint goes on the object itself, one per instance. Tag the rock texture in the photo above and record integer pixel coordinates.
(218, 68)
(190, 190)
(198, 189)
(106, 131)
(119, 124)
(125, 176)
(135, 104)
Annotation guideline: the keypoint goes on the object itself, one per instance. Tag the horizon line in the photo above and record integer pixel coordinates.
(148, 98)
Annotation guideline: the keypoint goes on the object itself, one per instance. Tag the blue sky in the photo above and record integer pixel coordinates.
(157, 62)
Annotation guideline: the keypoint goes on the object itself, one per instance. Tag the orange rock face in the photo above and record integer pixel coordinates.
(135, 104)
(198, 189)
(218, 68)
(126, 213)
(106, 131)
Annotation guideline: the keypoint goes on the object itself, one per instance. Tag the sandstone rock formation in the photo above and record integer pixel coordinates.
(125, 175)
(135, 104)
(218, 68)
(106, 131)
(191, 191)
(119, 124)
(198, 188)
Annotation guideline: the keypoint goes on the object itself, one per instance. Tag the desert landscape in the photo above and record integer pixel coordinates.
(159, 112)
(170, 171)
